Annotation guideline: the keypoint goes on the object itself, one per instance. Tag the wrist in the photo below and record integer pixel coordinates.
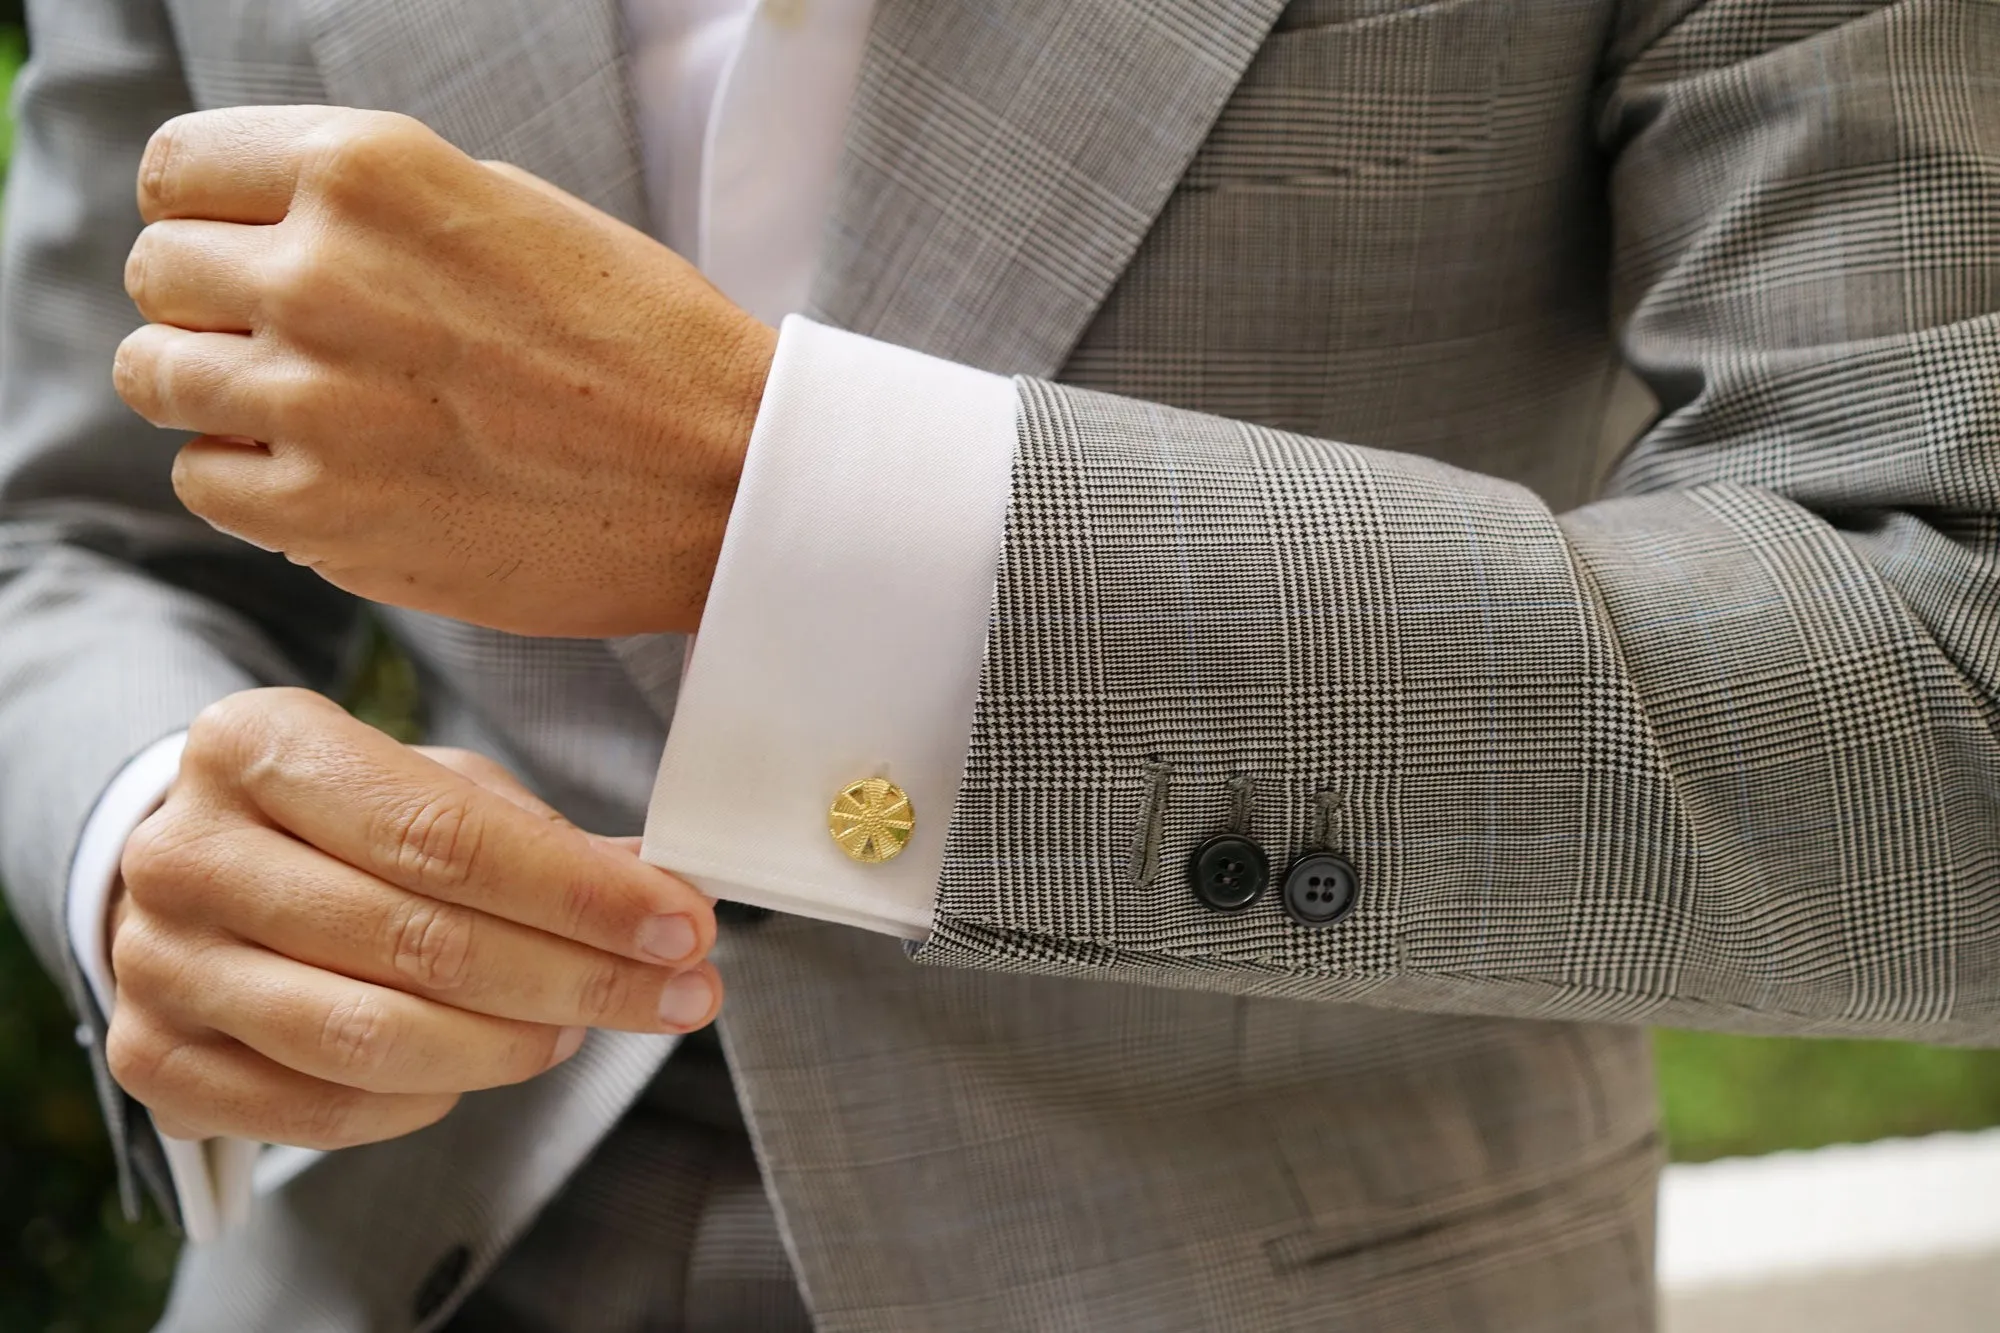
(734, 398)
(740, 393)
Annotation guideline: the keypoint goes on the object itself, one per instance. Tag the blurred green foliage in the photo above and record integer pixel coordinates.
(70, 1263)
(1740, 1096)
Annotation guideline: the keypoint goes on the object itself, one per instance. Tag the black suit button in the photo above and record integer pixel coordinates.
(1320, 888)
(441, 1283)
(1228, 872)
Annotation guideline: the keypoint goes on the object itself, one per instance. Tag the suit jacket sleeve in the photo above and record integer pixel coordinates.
(1717, 750)
(121, 616)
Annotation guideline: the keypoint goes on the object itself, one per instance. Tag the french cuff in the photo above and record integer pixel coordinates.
(843, 632)
(211, 1178)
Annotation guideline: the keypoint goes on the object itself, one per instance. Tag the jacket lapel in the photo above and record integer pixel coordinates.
(1004, 159)
(540, 85)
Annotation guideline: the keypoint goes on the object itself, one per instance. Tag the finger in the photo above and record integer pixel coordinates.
(300, 902)
(351, 1032)
(409, 820)
(492, 775)
(239, 488)
(198, 275)
(198, 1089)
(237, 164)
(500, 780)
(213, 383)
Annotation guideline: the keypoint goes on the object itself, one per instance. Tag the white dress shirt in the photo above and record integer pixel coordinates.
(844, 630)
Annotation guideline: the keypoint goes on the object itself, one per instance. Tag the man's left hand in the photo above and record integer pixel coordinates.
(441, 383)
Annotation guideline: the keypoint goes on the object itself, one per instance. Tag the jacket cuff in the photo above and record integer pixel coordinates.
(201, 1186)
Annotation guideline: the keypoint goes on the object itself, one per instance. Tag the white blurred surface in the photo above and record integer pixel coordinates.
(1898, 1235)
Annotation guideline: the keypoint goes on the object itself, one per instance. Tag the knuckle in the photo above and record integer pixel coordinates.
(156, 167)
(435, 842)
(294, 281)
(356, 1036)
(189, 490)
(605, 991)
(216, 500)
(323, 1121)
(168, 380)
(134, 374)
(431, 943)
(356, 154)
(230, 731)
(581, 905)
(130, 953)
(243, 738)
(149, 853)
(295, 403)
(136, 1054)
(143, 960)
(136, 264)
(167, 862)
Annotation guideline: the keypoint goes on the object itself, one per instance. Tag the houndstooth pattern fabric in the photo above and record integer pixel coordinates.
(1316, 295)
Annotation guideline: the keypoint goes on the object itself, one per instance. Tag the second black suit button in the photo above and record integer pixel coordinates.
(1228, 872)
(1320, 888)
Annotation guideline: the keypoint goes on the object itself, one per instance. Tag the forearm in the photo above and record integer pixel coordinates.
(1721, 750)
(1681, 757)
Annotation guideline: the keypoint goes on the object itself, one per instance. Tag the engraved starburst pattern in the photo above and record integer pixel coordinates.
(871, 820)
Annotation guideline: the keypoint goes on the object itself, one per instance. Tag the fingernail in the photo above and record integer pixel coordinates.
(686, 1000)
(568, 1043)
(667, 938)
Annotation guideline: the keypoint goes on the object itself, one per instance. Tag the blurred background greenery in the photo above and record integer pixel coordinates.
(69, 1263)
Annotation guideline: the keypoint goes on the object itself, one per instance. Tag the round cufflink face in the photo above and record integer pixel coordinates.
(871, 820)
(1320, 888)
(1228, 871)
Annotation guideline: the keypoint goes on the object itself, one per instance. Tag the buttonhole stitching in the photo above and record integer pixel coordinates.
(1242, 797)
(1326, 819)
(1145, 863)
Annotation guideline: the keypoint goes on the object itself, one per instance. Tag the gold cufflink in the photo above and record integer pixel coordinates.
(871, 820)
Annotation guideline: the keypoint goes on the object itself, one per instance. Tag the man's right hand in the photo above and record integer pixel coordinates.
(326, 936)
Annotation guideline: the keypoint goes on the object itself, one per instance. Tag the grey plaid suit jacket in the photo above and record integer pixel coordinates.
(1318, 308)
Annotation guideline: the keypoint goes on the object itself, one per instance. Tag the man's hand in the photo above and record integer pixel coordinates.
(440, 383)
(326, 936)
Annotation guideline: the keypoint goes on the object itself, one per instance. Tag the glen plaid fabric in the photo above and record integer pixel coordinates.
(1607, 764)
(666, 1227)
(1717, 750)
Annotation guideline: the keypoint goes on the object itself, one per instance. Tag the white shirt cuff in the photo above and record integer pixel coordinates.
(211, 1179)
(844, 630)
